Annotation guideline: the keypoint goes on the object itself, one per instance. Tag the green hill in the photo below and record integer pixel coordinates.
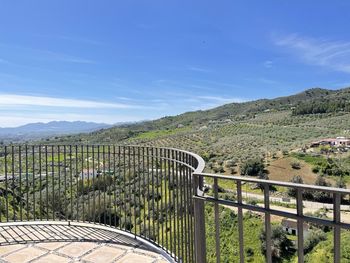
(235, 131)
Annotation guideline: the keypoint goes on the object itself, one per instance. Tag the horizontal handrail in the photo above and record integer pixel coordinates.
(335, 223)
(145, 191)
(275, 183)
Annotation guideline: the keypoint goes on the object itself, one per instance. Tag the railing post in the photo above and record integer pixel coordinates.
(199, 221)
(300, 226)
(336, 219)
(267, 223)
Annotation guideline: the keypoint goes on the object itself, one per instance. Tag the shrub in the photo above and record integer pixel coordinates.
(281, 245)
(314, 237)
(297, 180)
(295, 165)
(253, 167)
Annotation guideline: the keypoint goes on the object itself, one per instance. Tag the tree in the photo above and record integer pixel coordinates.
(281, 246)
(296, 180)
(320, 195)
(253, 167)
(340, 183)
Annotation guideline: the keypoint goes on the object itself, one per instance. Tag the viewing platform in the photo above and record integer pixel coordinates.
(107, 203)
(54, 242)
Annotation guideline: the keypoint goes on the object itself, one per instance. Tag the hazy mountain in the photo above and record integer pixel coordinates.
(41, 130)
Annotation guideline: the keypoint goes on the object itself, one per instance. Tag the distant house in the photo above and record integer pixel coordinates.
(291, 226)
(337, 142)
(88, 174)
(93, 174)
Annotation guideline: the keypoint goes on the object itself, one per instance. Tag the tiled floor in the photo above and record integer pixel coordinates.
(62, 243)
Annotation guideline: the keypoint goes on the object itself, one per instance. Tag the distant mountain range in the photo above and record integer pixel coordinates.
(314, 100)
(40, 130)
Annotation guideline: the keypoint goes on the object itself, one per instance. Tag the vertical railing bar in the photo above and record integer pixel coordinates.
(336, 219)
(13, 179)
(134, 188)
(144, 192)
(148, 192)
(110, 179)
(6, 186)
(124, 179)
(129, 185)
(20, 183)
(157, 194)
(104, 185)
(93, 185)
(240, 222)
(71, 181)
(181, 188)
(217, 222)
(65, 182)
(59, 179)
(267, 223)
(120, 187)
(300, 226)
(162, 194)
(115, 187)
(82, 181)
(1, 148)
(33, 167)
(53, 183)
(88, 182)
(47, 183)
(139, 186)
(190, 188)
(188, 209)
(98, 174)
(170, 200)
(153, 205)
(177, 206)
(77, 184)
(40, 185)
(166, 199)
(174, 172)
(199, 222)
(27, 183)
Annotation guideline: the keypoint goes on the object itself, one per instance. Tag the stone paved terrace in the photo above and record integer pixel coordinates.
(75, 243)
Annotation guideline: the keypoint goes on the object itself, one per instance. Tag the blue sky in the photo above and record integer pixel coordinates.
(113, 61)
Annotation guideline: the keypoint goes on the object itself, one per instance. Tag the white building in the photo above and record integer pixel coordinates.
(291, 226)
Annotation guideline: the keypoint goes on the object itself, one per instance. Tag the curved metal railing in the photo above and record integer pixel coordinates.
(144, 191)
(156, 194)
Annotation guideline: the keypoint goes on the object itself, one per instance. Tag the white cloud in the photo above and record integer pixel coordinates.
(317, 51)
(67, 58)
(221, 99)
(198, 69)
(23, 100)
(268, 64)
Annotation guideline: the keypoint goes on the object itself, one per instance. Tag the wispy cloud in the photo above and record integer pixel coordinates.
(221, 99)
(317, 51)
(67, 58)
(24, 100)
(268, 64)
(76, 39)
(41, 54)
(199, 69)
(268, 81)
(3, 60)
